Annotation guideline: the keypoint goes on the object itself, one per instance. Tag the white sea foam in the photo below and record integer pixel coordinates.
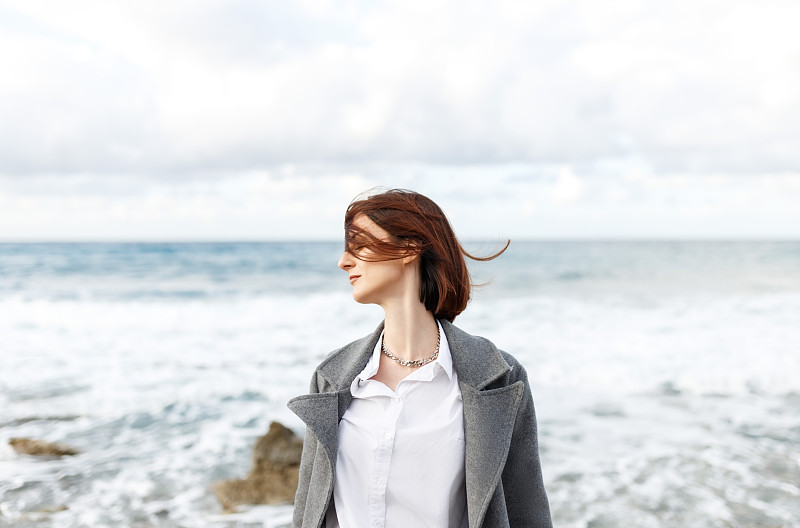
(656, 407)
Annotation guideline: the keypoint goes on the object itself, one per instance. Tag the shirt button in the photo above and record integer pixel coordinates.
(387, 436)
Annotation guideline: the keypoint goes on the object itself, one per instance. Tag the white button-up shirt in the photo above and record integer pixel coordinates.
(400, 462)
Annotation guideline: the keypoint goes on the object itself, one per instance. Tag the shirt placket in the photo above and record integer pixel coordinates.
(382, 461)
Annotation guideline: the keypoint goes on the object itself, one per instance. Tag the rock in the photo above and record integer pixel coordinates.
(273, 479)
(31, 446)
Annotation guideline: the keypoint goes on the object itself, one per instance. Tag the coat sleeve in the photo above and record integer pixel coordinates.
(526, 499)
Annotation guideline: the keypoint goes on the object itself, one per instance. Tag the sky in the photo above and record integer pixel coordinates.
(261, 120)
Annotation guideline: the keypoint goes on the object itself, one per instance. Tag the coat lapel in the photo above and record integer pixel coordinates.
(320, 412)
(488, 424)
(489, 416)
(324, 407)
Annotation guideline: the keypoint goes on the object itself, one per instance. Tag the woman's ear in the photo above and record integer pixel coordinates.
(412, 254)
(410, 258)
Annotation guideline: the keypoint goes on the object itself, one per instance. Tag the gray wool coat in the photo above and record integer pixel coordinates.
(503, 474)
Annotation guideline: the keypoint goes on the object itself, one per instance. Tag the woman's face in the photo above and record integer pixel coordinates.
(373, 282)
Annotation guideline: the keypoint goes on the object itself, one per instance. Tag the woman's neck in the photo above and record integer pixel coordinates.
(410, 331)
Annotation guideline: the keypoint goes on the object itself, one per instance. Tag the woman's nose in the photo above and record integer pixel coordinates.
(346, 261)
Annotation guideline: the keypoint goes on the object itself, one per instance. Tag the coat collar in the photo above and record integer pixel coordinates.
(475, 359)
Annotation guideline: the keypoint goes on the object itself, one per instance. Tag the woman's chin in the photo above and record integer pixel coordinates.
(359, 298)
(363, 297)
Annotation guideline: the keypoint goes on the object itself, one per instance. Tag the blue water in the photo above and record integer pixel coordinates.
(124, 271)
(665, 374)
(128, 271)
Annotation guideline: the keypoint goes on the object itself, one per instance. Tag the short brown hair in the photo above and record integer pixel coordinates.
(416, 225)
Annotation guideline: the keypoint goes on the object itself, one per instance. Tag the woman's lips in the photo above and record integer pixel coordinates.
(353, 278)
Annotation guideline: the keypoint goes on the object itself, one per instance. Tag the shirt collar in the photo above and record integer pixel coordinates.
(444, 360)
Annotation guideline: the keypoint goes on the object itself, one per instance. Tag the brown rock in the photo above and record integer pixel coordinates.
(273, 479)
(31, 446)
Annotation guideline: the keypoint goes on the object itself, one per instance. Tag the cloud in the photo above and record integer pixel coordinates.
(254, 205)
(567, 188)
(176, 89)
(262, 119)
(491, 202)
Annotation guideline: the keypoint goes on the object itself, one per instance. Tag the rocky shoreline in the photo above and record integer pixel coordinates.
(272, 479)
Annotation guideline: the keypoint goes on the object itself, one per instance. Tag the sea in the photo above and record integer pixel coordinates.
(665, 374)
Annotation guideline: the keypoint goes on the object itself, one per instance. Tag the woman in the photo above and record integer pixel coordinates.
(418, 424)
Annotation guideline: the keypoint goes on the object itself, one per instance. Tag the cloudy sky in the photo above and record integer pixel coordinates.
(245, 119)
